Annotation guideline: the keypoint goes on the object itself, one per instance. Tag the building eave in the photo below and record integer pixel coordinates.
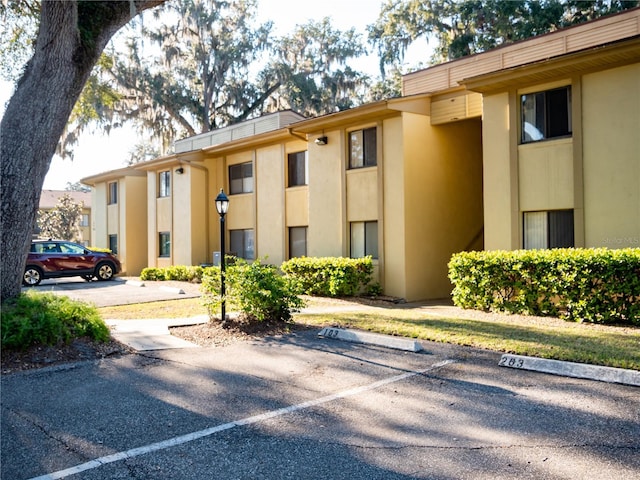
(593, 59)
(111, 175)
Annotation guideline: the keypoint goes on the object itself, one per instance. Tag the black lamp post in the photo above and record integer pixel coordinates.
(222, 205)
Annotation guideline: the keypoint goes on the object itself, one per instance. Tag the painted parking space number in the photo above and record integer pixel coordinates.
(511, 361)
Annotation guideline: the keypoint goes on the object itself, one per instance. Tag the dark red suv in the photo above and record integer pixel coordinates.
(59, 258)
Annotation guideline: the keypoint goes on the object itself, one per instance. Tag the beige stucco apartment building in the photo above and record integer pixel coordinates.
(531, 145)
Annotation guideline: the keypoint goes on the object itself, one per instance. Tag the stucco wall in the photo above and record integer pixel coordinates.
(200, 205)
(545, 173)
(611, 125)
(498, 174)
(134, 234)
(326, 234)
(99, 215)
(270, 204)
(393, 247)
(443, 200)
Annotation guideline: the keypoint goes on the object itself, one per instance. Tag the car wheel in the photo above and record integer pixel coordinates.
(32, 276)
(88, 278)
(104, 271)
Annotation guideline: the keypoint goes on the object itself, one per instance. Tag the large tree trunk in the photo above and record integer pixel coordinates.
(71, 38)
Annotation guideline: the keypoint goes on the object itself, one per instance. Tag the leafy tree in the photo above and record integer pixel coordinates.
(71, 36)
(211, 66)
(63, 220)
(461, 28)
(311, 71)
(77, 187)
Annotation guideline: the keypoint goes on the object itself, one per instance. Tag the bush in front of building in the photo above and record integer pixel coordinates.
(259, 291)
(595, 285)
(329, 276)
(181, 273)
(46, 319)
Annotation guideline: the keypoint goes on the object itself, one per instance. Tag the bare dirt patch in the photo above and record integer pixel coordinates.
(80, 349)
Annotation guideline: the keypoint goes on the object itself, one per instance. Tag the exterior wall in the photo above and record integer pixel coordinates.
(270, 204)
(199, 209)
(326, 235)
(499, 174)
(181, 215)
(133, 240)
(611, 139)
(596, 172)
(152, 220)
(393, 252)
(545, 173)
(99, 215)
(443, 201)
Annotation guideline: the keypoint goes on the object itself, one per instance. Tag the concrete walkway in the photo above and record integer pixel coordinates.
(152, 334)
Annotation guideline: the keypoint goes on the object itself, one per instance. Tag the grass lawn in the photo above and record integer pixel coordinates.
(545, 338)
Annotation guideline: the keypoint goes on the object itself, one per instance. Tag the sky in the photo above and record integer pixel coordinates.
(97, 153)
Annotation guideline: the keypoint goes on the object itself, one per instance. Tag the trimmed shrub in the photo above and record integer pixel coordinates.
(180, 273)
(259, 291)
(595, 285)
(48, 319)
(329, 276)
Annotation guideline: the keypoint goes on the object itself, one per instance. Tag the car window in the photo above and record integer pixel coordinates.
(48, 248)
(71, 248)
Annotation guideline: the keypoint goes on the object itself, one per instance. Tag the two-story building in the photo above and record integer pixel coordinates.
(531, 145)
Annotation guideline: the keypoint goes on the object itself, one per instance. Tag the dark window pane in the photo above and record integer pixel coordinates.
(297, 242)
(113, 243)
(356, 149)
(297, 169)
(370, 150)
(371, 239)
(241, 178)
(561, 229)
(557, 113)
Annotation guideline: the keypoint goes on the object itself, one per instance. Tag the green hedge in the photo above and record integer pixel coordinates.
(329, 276)
(180, 273)
(595, 285)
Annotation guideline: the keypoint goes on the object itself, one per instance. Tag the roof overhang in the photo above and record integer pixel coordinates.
(419, 104)
(112, 175)
(624, 52)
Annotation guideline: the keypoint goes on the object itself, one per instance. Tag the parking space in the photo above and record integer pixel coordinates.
(119, 291)
(301, 406)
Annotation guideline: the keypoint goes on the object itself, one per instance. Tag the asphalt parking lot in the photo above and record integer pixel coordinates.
(302, 406)
(119, 291)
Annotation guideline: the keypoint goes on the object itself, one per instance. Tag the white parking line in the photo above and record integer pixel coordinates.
(172, 442)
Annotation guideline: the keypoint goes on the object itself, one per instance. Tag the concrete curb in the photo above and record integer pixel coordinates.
(177, 290)
(354, 336)
(570, 369)
(134, 283)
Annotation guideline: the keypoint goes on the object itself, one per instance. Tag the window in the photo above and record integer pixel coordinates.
(241, 178)
(362, 148)
(553, 229)
(164, 184)
(297, 242)
(164, 244)
(364, 239)
(242, 243)
(298, 168)
(84, 220)
(113, 193)
(113, 244)
(546, 115)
